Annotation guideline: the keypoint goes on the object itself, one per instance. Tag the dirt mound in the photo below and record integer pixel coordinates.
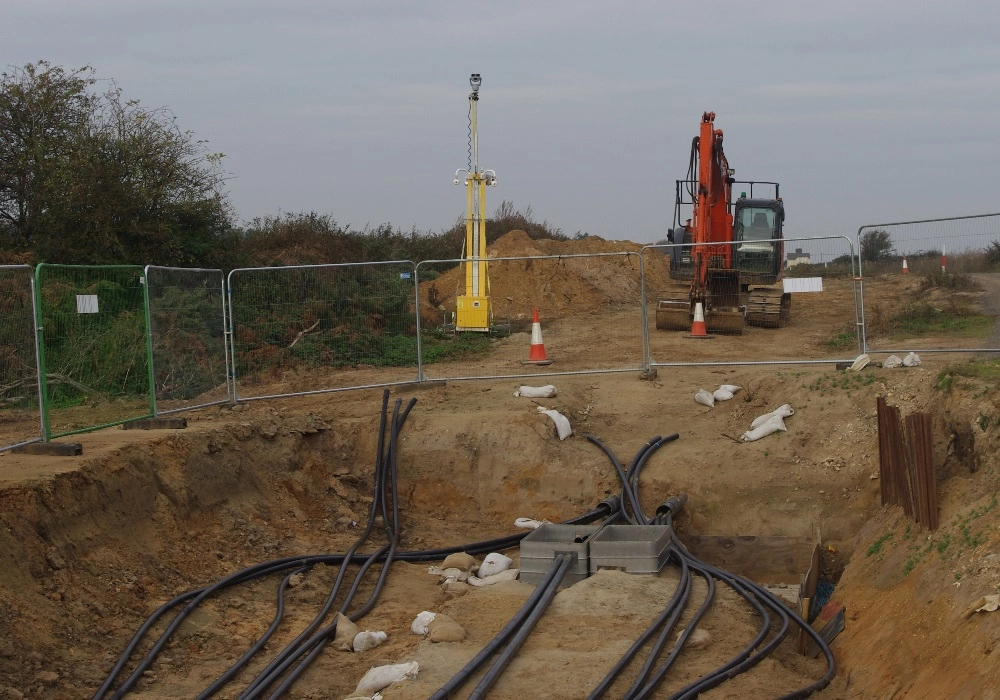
(606, 277)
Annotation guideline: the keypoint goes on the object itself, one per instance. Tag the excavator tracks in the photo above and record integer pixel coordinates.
(768, 307)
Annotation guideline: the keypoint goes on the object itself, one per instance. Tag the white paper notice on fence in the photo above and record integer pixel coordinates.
(803, 284)
(86, 303)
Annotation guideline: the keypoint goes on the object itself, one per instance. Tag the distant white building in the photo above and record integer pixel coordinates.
(797, 258)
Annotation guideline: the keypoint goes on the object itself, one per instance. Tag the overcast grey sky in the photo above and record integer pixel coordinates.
(864, 111)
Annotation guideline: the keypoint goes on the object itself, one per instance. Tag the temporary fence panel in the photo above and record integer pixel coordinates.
(588, 307)
(94, 351)
(318, 328)
(757, 308)
(931, 285)
(20, 405)
(187, 328)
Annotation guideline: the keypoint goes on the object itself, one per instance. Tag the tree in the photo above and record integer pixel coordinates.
(876, 245)
(89, 177)
(43, 110)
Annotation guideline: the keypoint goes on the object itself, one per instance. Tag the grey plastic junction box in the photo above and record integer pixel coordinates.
(639, 549)
(539, 548)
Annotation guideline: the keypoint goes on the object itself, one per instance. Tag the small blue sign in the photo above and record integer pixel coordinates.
(404, 275)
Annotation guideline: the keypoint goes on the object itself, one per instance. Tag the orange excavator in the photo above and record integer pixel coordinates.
(729, 255)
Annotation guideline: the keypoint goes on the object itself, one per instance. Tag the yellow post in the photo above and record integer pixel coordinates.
(473, 312)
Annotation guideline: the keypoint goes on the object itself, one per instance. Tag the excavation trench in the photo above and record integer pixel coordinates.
(89, 553)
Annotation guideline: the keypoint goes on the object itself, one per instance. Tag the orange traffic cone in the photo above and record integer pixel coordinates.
(906, 268)
(698, 325)
(536, 354)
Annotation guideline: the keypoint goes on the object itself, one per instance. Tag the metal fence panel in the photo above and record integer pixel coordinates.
(94, 351)
(932, 285)
(187, 327)
(765, 323)
(356, 321)
(588, 304)
(20, 403)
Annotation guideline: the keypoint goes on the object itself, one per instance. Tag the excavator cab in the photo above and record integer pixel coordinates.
(758, 237)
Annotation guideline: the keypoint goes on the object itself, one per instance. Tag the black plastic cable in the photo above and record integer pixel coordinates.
(460, 678)
(234, 669)
(626, 658)
(388, 470)
(662, 670)
(320, 617)
(277, 565)
(684, 585)
(627, 495)
(655, 445)
(630, 480)
(199, 596)
(137, 637)
(470, 137)
(311, 648)
(777, 604)
(561, 563)
(738, 663)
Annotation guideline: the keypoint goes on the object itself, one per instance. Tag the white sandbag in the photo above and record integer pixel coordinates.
(454, 589)
(704, 397)
(420, 622)
(771, 425)
(731, 388)
(460, 560)
(445, 629)
(363, 641)
(343, 639)
(860, 362)
(384, 676)
(508, 575)
(722, 395)
(911, 360)
(784, 410)
(494, 563)
(536, 392)
(891, 361)
(528, 523)
(453, 574)
(563, 429)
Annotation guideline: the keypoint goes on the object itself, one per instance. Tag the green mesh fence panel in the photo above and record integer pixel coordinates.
(94, 346)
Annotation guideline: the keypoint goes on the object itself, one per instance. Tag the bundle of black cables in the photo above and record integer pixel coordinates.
(759, 598)
(296, 657)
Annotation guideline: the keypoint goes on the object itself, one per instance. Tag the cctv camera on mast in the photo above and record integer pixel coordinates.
(472, 309)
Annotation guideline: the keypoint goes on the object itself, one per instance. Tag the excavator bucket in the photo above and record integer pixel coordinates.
(724, 314)
(673, 315)
(725, 322)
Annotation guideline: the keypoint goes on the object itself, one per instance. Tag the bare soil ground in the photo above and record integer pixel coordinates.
(90, 545)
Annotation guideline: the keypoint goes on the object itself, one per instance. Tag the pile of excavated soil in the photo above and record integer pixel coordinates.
(557, 287)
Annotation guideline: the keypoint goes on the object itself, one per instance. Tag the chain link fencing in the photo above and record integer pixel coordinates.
(757, 290)
(187, 329)
(20, 399)
(588, 306)
(94, 352)
(318, 328)
(931, 285)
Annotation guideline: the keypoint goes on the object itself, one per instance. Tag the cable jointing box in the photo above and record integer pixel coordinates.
(539, 548)
(638, 549)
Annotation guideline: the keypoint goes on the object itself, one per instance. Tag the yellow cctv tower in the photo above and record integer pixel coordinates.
(473, 312)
